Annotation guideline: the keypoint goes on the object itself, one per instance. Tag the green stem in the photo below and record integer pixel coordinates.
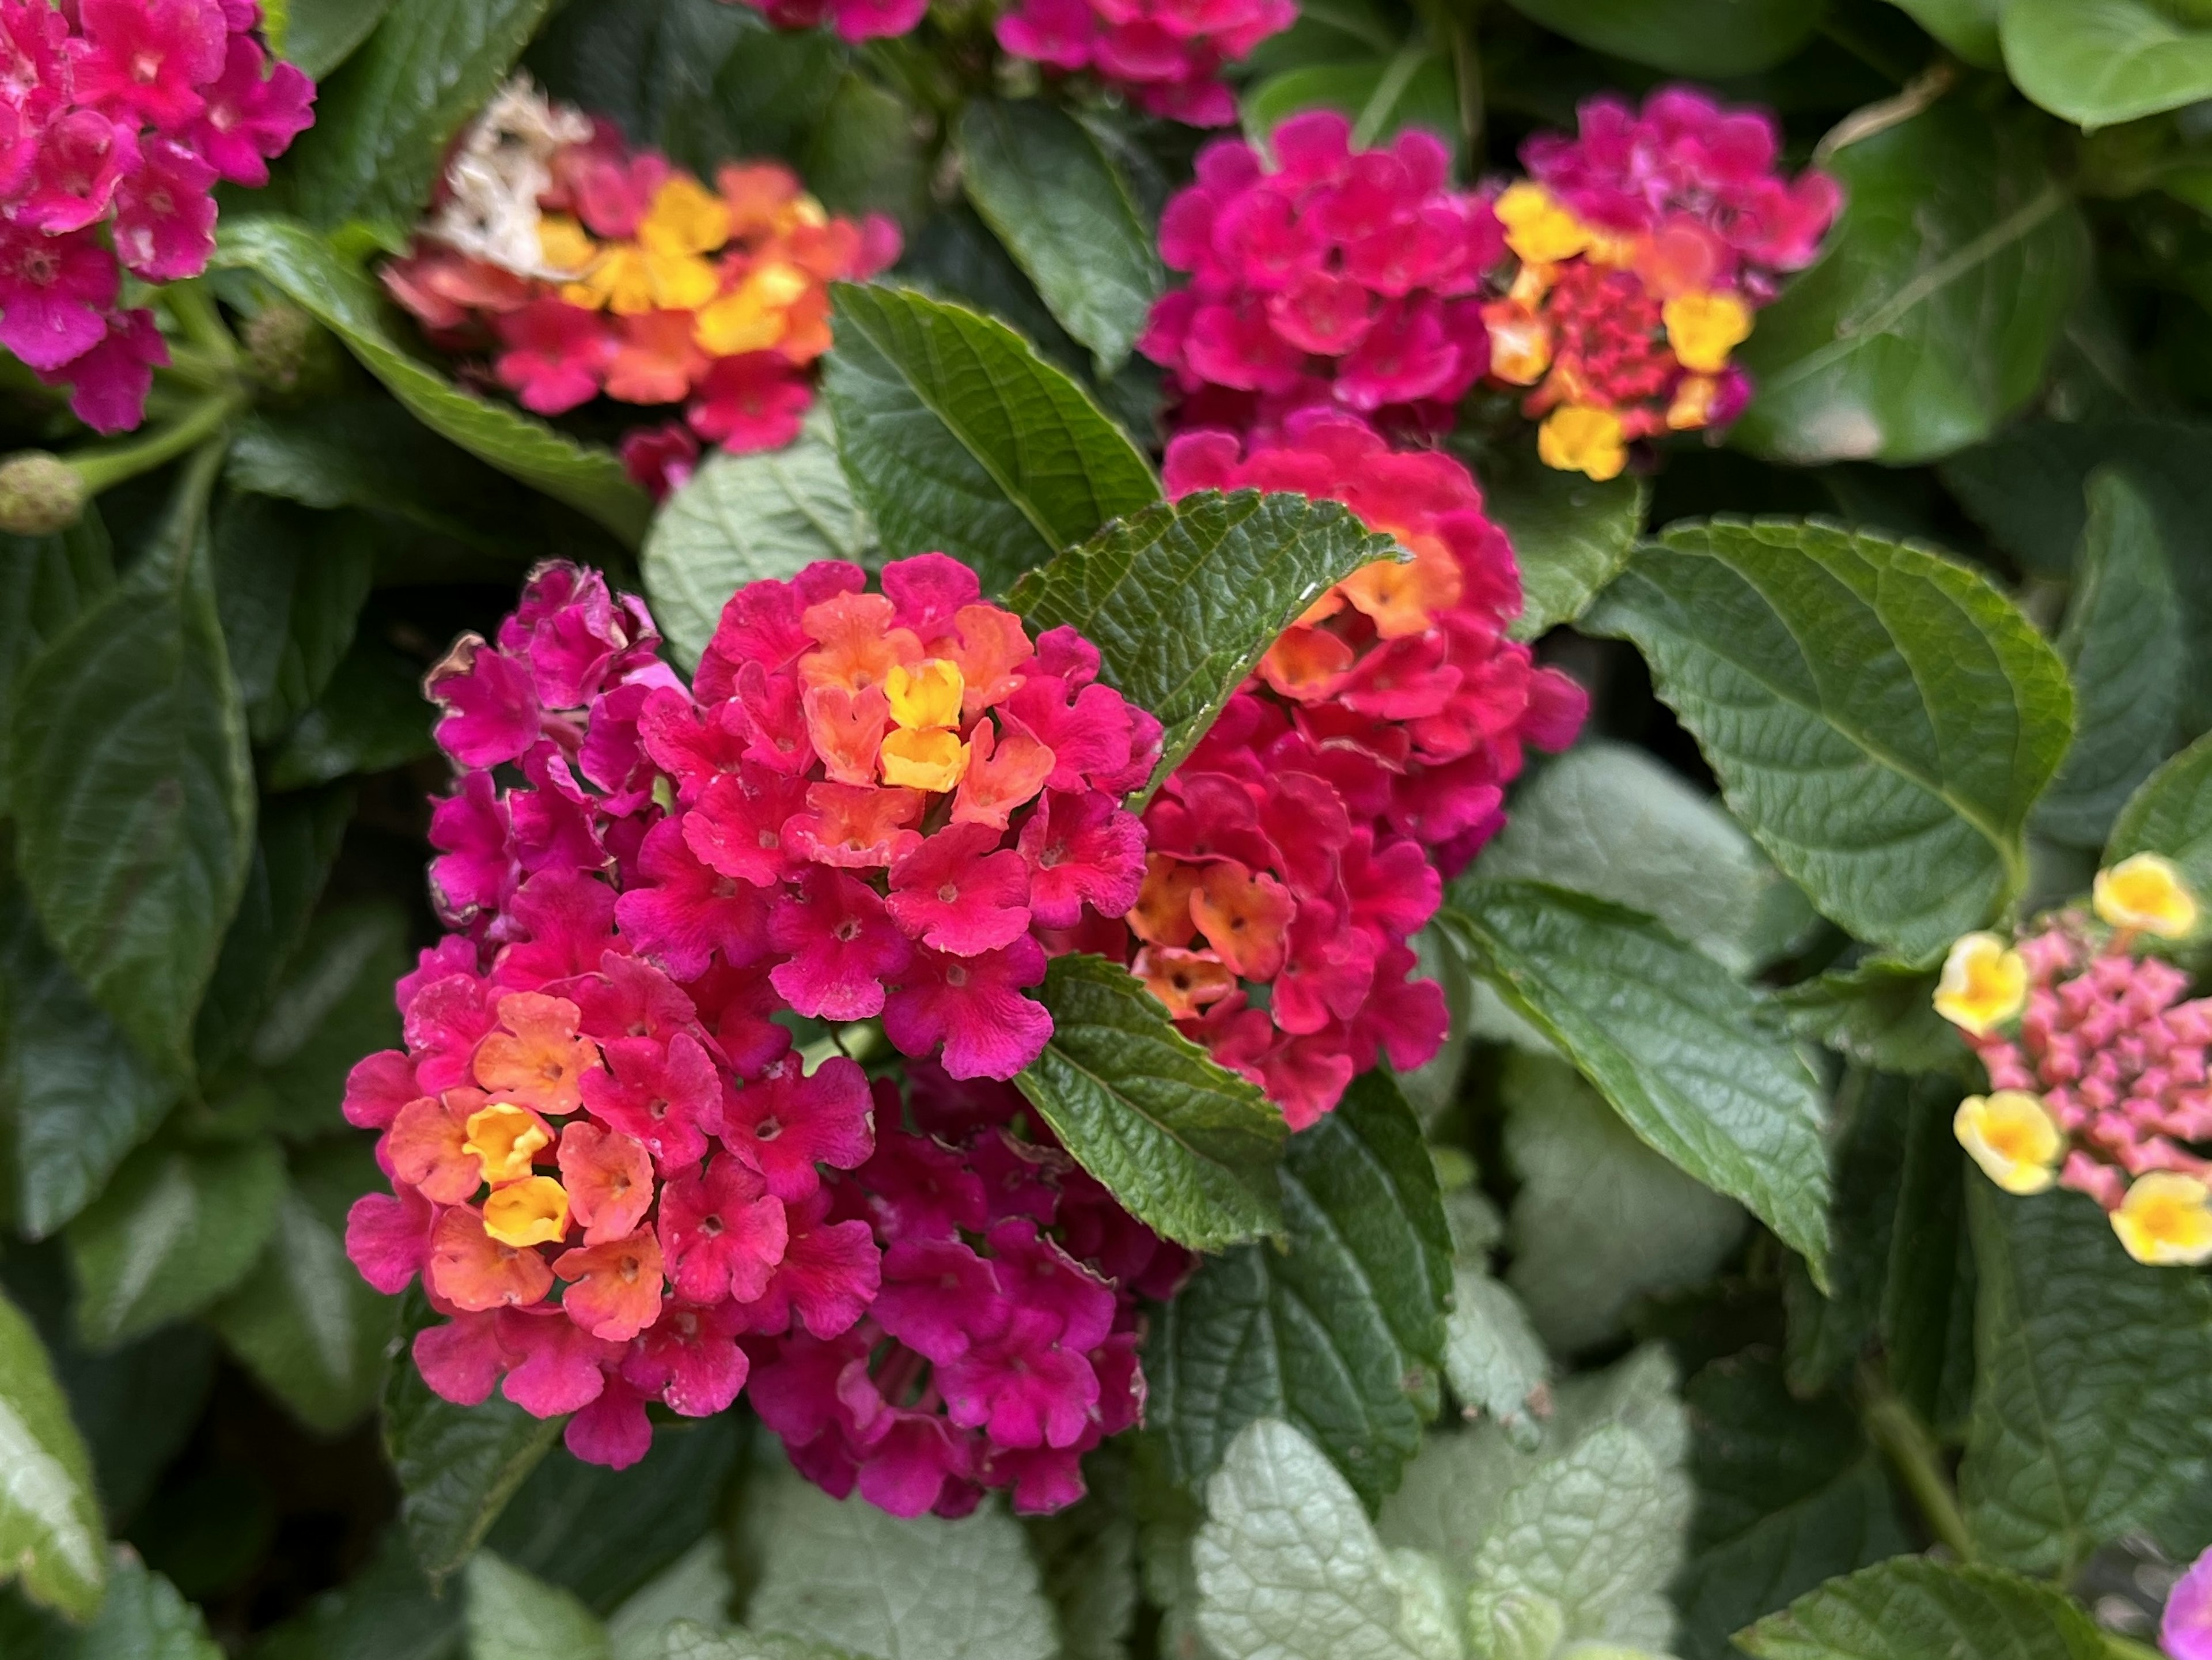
(195, 313)
(1892, 1426)
(1388, 90)
(104, 467)
(2126, 1648)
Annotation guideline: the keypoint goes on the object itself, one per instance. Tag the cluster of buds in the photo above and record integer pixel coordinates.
(578, 267)
(853, 20)
(123, 114)
(2097, 1068)
(1645, 244)
(1335, 278)
(1301, 843)
(1165, 56)
(608, 1163)
(1003, 1343)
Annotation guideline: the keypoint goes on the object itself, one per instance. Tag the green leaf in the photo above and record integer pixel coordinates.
(1413, 86)
(304, 1321)
(176, 1229)
(863, 156)
(128, 732)
(1339, 1332)
(1935, 305)
(1912, 1608)
(382, 122)
(2170, 814)
(2123, 645)
(846, 1575)
(1288, 1566)
(513, 1616)
(1088, 1555)
(371, 717)
(1702, 38)
(334, 1007)
(1571, 534)
(1608, 819)
(1881, 719)
(75, 1097)
(1184, 598)
(1789, 1495)
(1969, 28)
(45, 581)
(1928, 1302)
(652, 68)
(387, 1611)
(957, 436)
(2098, 63)
(1189, 1147)
(742, 519)
(2092, 1401)
(1879, 1014)
(1053, 192)
(1599, 1219)
(50, 1533)
(143, 1617)
(695, 1588)
(319, 35)
(1698, 1064)
(306, 269)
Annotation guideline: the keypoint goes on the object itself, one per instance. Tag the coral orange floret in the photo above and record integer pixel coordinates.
(615, 1292)
(427, 1146)
(1244, 916)
(1185, 982)
(474, 1272)
(538, 1059)
(1004, 773)
(1162, 916)
(609, 1178)
(846, 728)
(857, 644)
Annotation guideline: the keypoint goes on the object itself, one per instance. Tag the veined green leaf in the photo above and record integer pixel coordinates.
(957, 436)
(1911, 1608)
(1087, 1554)
(2098, 63)
(319, 35)
(2171, 815)
(1881, 718)
(45, 581)
(1877, 1012)
(1703, 38)
(1189, 1148)
(50, 1533)
(1571, 534)
(371, 716)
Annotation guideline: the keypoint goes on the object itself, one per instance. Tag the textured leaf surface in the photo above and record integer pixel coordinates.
(2098, 63)
(129, 733)
(1935, 302)
(337, 296)
(45, 581)
(372, 716)
(958, 437)
(288, 587)
(381, 122)
(1185, 598)
(176, 1228)
(741, 519)
(1881, 719)
(1696, 1063)
(1912, 1608)
(2093, 1400)
(846, 1575)
(51, 1537)
(515, 1616)
(688, 1640)
(1705, 37)
(1088, 1556)
(1289, 1568)
(319, 35)
(2123, 646)
(1493, 1359)
(1338, 1333)
(1187, 1146)
(1056, 197)
(1571, 534)
(2172, 815)
(1599, 1217)
(1878, 1013)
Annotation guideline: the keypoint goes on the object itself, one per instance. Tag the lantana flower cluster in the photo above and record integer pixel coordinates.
(1645, 244)
(1332, 278)
(117, 120)
(608, 1163)
(1305, 839)
(579, 266)
(1003, 1344)
(2097, 1067)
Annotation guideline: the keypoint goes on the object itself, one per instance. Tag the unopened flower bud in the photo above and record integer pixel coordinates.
(39, 494)
(287, 348)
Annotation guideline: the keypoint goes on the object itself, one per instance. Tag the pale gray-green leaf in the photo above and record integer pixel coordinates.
(512, 1615)
(1492, 1357)
(695, 1588)
(51, 1537)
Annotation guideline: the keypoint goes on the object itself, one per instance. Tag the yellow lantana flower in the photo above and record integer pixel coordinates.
(1983, 984)
(2146, 894)
(2167, 1217)
(926, 695)
(1582, 438)
(504, 1138)
(532, 1212)
(931, 760)
(2011, 1136)
(686, 218)
(1537, 228)
(1704, 328)
(750, 317)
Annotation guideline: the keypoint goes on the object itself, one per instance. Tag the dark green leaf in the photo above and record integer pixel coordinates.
(1912, 1608)
(1789, 1494)
(957, 437)
(1051, 190)
(2122, 646)
(337, 296)
(1879, 1014)
(1383, 95)
(176, 1229)
(1189, 1148)
(863, 156)
(1928, 1303)
(372, 716)
(1969, 28)
(1088, 1553)
(50, 1533)
(1183, 599)
(304, 1321)
(2093, 1398)
(387, 1611)
(743, 517)
(1698, 1064)
(2098, 62)
(45, 581)
(2172, 815)
(1932, 311)
(334, 1007)
(1879, 717)
(1702, 38)
(128, 732)
(1340, 1332)
(319, 35)
(382, 122)
(650, 66)
(1571, 535)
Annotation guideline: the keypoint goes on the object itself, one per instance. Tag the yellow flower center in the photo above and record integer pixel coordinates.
(1537, 228)
(1983, 984)
(686, 218)
(1579, 438)
(532, 1212)
(750, 317)
(934, 759)
(503, 1137)
(2012, 1138)
(1704, 328)
(926, 695)
(2145, 893)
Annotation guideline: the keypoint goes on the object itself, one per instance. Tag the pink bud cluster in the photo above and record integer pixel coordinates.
(853, 20)
(1003, 1343)
(1165, 55)
(123, 113)
(2116, 1056)
(1334, 278)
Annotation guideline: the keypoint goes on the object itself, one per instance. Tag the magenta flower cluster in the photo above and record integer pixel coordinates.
(123, 112)
(1333, 278)
(1166, 55)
